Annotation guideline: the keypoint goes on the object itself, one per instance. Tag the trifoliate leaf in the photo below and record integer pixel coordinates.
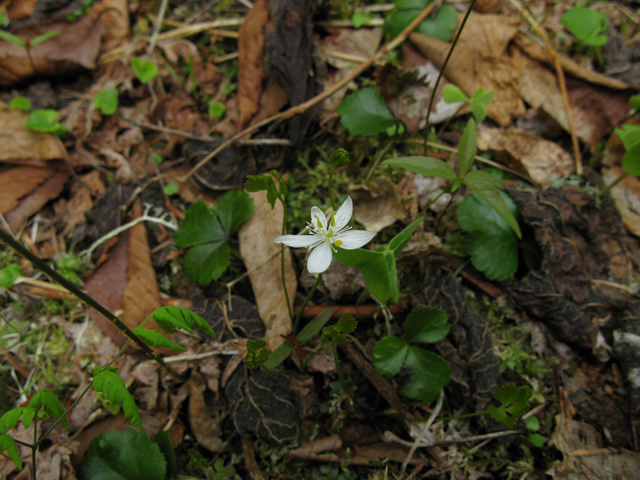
(46, 400)
(8, 444)
(514, 403)
(256, 353)
(156, 339)
(145, 70)
(429, 374)
(631, 160)
(234, 208)
(442, 26)
(208, 262)
(111, 386)
(169, 318)
(365, 113)
(586, 25)
(427, 166)
(427, 325)
(346, 324)
(127, 455)
(390, 354)
(467, 148)
(200, 226)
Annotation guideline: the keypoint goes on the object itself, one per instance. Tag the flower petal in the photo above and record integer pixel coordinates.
(320, 258)
(318, 216)
(354, 239)
(298, 241)
(343, 215)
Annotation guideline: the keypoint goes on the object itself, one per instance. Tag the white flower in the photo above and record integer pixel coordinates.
(326, 232)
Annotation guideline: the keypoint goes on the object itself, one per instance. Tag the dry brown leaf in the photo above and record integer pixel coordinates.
(343, 43)
(540, 159)
(114, 14)
(251, 42)
(479, 61)
(81, 200)
(262, 259)
(18, 182)
(204, 419)
(272, 100)
(19, 9)
(377, 206)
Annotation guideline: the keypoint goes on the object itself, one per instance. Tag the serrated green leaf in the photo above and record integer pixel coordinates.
(427, 325)
(111, 386)
(514, 402)
(169, 318)
(46, 400)
(339, 158)
(488, 188)
(20, 103)
(365, 113)
(200, 226)
(631, 160)
(127, 455)
(398, 243)
(390, 354)
(34, 42)
(427, 166)
(208, 262)
(145, 70)
(429, 374)
(8, 444)
(442, 26)
(283, 189)
(586, 25)
(452, 94)
(156, 339)
(234, 208)
(346, 324)
(256, 353)
(107, 101)
(9, 274)
(467, 148)
(163, 440)
(10, 37)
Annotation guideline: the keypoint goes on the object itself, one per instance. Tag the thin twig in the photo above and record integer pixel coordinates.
(303, 107)
(157, 27)
(561, 80)
(425, 428)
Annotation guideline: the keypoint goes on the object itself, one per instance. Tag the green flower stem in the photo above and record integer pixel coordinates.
(332, 200)
(284, 280)
(304, 305)
(42, 266)
(614, 183)
(34, 450)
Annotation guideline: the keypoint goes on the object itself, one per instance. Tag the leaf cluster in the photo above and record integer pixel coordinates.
(586, 25)
(346, 324)
(429, 371)
(514, 402)
(630, 136)
(478, 102)
(440, 26)
(206, 233)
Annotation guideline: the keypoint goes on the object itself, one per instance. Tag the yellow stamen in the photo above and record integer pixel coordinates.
(338, 243)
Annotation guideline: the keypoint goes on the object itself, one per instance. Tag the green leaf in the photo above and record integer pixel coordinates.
(532, 423)
(412, 4)
(442, 26)
(452, 94)
(156, 339)
(635, 102)
(491, 243)
(9, 274)
(629, 135)
(479, 104)
(467, 148)
(145, 70)
(395, 130)
(586, 25)
(171, 189)
(427, 325)
(346, 324)
(631, 160)
(42, 120)
(107, 101)
(400, 241)
(339, 158)
(34, 42)
(10, 37)
(312, 328)
(157, 158)
(378, 269)
(20, 103)
(217, 109)
(127, 455)
(514, 403)
(11, 418)
(169, 318)
(111, 386)
(398, 20)
(200, 225)
(257, 183)
(361, 18)
(484, 186)
(365, 113)
(428, 166)
(8, 444)
(46, 400)
(163, 440)
(279, 355)
(537, 440)
(208, 262)
(429, 374)
(390, 354)
(234, 208)
(256, 353)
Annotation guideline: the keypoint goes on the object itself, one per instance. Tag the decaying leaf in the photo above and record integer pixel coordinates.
(204, 418)
(262, 259)
(377, 206)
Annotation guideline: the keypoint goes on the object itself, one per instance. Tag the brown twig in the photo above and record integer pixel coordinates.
(303, 107)
(561, 80)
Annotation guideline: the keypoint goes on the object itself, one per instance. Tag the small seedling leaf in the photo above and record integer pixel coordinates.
(390, 354)
(10, 37)
(631, 160)
(20, 103)
(537, 440)
(635, 102)
(111, 386)
(467, 148)
(234, 208)
(217, 109)
(46, 400)
(427, 166)
(442, 26)
(365, 113)
(171, 189)
(145, 70)
(346, 324)
(8, 444)
(532, 423)
(514, 403)
(429, 374)
(339, 158)
(427, 325)
(156, 339)
(452, 94)
(107, 101)
(34, 42)
(359, 19)
(479, 104)
(169, 318)
(257, 353)
(586, 25)
(9, 274)
(629, 135)
(42, 120)
(127, 455)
